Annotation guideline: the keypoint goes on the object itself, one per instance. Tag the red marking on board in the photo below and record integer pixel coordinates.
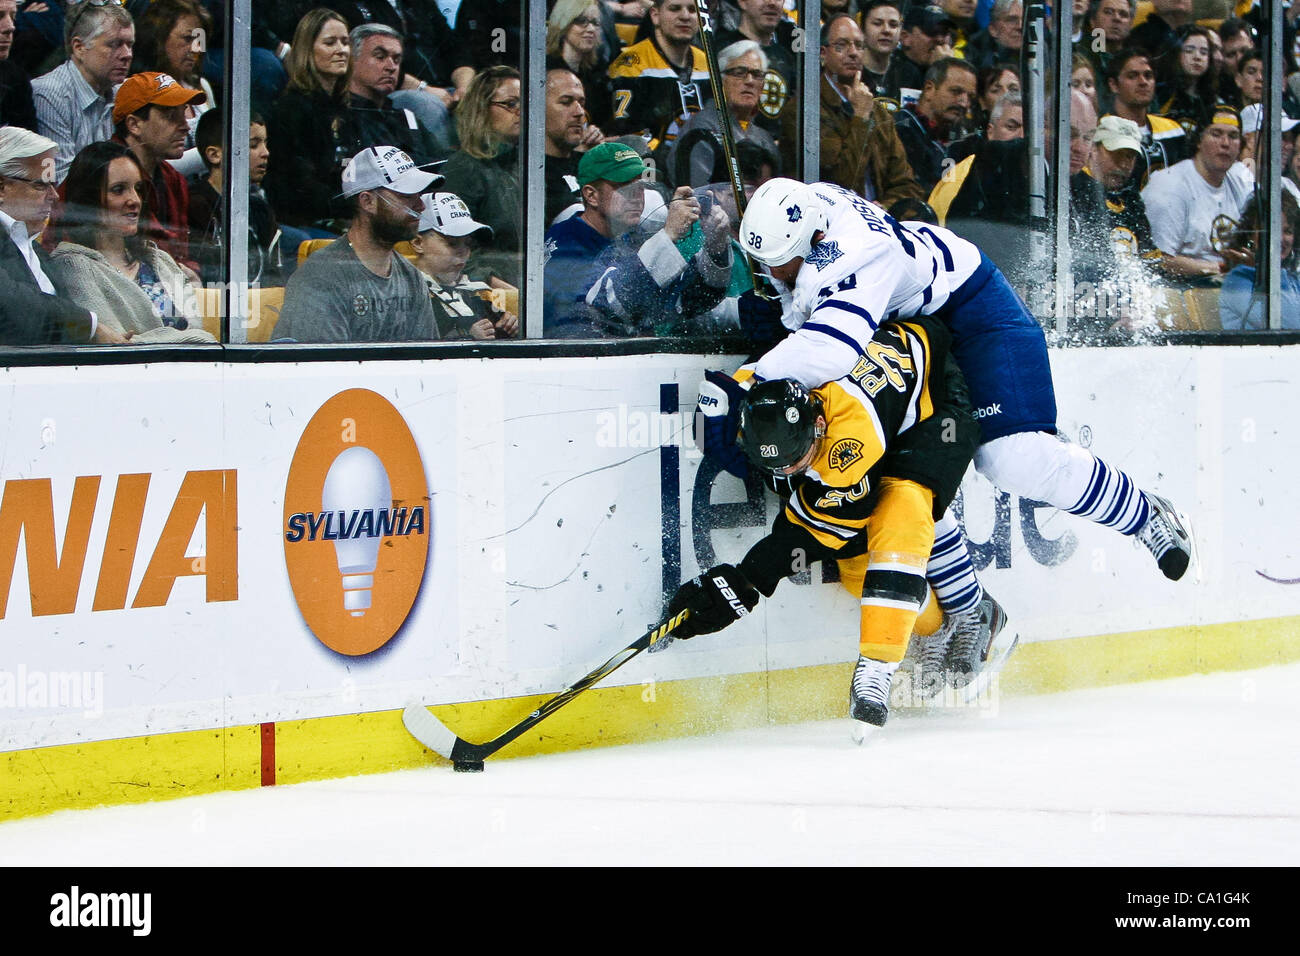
(268, 755)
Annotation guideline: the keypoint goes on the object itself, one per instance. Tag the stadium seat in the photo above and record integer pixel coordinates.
(308, 246)
(1203, 309)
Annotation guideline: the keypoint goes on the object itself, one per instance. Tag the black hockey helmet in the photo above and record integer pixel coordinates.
(778, 424)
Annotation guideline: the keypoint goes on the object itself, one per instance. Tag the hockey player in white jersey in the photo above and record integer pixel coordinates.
(843, 266)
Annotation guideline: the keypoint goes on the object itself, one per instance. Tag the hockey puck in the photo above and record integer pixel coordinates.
(468, 766)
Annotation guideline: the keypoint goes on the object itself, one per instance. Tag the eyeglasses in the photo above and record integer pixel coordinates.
(72, 28)
(42, 185)
(586, 22)
(842, 46)
(741, 73)
(511, 105)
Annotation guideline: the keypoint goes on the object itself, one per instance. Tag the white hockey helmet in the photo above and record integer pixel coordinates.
(780, 220)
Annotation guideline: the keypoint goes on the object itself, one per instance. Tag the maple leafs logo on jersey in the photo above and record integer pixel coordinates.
(551, 247)
(823, 254)
(794, 213)
(845, 453)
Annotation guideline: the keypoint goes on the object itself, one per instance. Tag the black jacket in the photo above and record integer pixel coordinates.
(29, 316)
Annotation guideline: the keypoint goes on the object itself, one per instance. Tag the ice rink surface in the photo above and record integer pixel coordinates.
(1200, 770)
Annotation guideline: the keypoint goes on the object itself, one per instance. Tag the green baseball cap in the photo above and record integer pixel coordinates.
(610, 161)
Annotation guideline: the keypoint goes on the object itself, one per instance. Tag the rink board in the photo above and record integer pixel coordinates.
(172, 627)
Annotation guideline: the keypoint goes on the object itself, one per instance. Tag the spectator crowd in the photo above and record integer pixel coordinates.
(386, 142)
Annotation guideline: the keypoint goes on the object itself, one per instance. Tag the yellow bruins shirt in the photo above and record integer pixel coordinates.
(651, 96)
(898, 436)
(886, 393)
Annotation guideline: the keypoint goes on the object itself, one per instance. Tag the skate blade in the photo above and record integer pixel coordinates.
(1194, 565)
(999, 651)
(863, 733)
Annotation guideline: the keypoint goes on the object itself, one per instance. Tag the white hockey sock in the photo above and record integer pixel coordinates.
(950, 571)
(1041, 467)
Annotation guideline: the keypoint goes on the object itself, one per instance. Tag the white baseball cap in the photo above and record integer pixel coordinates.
(1252, 114)
(447, 215)
(386, 167)
(1116, 133)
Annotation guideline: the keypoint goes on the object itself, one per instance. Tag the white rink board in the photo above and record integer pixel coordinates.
(546, 546)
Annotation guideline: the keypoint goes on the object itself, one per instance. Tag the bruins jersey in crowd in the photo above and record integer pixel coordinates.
(1164, 142)
(651, 96)
(899, 436)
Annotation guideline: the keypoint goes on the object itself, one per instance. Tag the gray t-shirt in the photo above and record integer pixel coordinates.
(333, 297)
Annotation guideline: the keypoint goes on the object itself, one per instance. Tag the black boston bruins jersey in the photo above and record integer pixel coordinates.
(652, 97)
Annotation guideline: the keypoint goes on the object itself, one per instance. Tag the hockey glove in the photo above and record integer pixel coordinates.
(717, 598)
(718, 407)
(760, 320)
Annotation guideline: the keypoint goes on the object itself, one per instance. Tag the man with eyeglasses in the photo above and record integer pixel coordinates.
(860, 149)
(658, 83)
(696, 158)
(358, 289)
(74, 102)
(31, 310)
(765, 22)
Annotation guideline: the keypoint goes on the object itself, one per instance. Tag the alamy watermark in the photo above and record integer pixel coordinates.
(23, 689)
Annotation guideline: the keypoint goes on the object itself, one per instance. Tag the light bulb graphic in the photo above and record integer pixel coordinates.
(356, 481)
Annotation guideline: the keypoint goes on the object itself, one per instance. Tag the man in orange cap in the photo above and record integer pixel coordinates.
(151, 116)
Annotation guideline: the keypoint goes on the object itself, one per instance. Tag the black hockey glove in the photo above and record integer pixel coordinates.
(718, 597)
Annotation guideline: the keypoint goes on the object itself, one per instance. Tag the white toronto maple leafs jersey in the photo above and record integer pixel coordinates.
(868, 268)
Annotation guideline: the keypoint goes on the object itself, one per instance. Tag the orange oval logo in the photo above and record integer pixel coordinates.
(357, 523)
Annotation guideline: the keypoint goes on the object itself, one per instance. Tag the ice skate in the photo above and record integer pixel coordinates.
(973, 634)
(928, 659)
(869, 697)
(1167, 534)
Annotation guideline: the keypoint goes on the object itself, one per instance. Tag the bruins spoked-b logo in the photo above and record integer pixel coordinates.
(357, 522)
(844, 453)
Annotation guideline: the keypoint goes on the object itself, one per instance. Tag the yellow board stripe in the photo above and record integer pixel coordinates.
(163, 766)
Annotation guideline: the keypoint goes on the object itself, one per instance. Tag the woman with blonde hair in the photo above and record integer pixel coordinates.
(485, 171)
(308, 125)
(104, 263)
(574, 39)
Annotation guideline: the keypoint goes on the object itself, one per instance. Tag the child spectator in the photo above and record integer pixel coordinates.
(74, 102)
(105, 263)
(447, 239)
(206, 232)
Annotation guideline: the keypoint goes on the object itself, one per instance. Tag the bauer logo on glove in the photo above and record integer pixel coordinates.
(717, 598)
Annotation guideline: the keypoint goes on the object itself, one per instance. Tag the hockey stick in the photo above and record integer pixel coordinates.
(761, 288)
(465, 756)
